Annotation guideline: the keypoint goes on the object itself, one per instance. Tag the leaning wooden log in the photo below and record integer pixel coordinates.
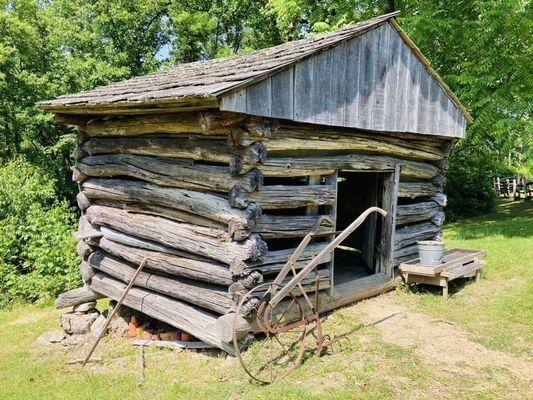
(191, 319)
(281, 196)
(76, 296)
(166, 172)
(416, 212)
(209, 296)
(208, 242)
(301, 139)
(289, 226)
(213, 120)
(203, 205)
(172, 264)
(417, 189)
(345, 293)
(410, 234)
(324, 165)
(177, 123)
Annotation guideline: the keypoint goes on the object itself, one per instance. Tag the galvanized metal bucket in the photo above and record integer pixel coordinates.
(430, 252)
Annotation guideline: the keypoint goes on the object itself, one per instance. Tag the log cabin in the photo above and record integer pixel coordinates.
(215, 170)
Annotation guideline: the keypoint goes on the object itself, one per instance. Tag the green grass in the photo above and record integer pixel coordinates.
(496, 312)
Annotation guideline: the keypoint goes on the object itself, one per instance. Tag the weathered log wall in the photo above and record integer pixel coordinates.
(199, 197)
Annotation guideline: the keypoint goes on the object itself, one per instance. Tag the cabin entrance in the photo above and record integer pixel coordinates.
(359, 255)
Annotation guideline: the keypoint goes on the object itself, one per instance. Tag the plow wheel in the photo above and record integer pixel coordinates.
(279, 336)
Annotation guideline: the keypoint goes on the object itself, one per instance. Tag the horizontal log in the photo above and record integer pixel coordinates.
(405, 254)
(438, 219)
(281, 196)
(302, 138)
(167, 172)
(170, 264)
(76, 296)
(441, 199)
(439, 180)
(209, 296)
(410, 234)
(261, 127)
(247, 157)
(189, 318)
(204, 205)
(171, 123)
(86, 272)
(83, 201)
(187, 147)
(416, 212)
(289, 226)
(417, 189)
(207, 242)
(275, 260)
(213, 120)
(324, 165)
(83, 249)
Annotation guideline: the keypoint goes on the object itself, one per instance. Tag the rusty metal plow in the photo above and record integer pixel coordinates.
(280, 322)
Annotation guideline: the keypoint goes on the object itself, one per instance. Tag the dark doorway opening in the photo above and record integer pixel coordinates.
(358, 255)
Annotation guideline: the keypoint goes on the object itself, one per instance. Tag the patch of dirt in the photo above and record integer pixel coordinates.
(439, 344)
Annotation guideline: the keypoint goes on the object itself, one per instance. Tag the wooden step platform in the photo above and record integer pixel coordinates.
(458, 263)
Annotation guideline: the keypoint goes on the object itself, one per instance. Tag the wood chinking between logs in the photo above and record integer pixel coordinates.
(215, 177)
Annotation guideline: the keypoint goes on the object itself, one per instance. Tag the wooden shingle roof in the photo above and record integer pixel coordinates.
(208, 79)
(347, 89)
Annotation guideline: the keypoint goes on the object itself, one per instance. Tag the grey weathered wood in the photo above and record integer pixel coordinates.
(410, 234)
(83, 201)
(404, 254)
(213, 120)
(86, 272)
(441, 199)
(169, 123)
(388, 229)
(325, 165)
(191, 319)
(204, 205)
(167, 172)
(416, 212)
(179, 264)
(417, 189)
(364, 65)
(76, 296)
(291, 137)
(208, 296)
(287, 226)
(208, 242)
(281, 196)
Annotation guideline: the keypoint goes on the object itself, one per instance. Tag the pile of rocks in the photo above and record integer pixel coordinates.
(84, 323)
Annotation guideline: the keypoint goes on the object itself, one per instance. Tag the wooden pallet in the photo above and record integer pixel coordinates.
(458, 263)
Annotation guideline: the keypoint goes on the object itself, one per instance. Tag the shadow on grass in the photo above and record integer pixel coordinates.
(511, 219)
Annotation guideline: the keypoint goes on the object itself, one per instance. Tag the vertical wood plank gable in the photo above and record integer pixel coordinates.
(282, 94)
(337, 89)
(382, 51)
(391, 85)
(352, 78)
(259, 99)
(320, 88)
(366, 80)
(303, 79)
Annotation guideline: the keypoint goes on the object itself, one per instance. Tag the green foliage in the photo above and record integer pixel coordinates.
(37, 252)
(470, 187)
